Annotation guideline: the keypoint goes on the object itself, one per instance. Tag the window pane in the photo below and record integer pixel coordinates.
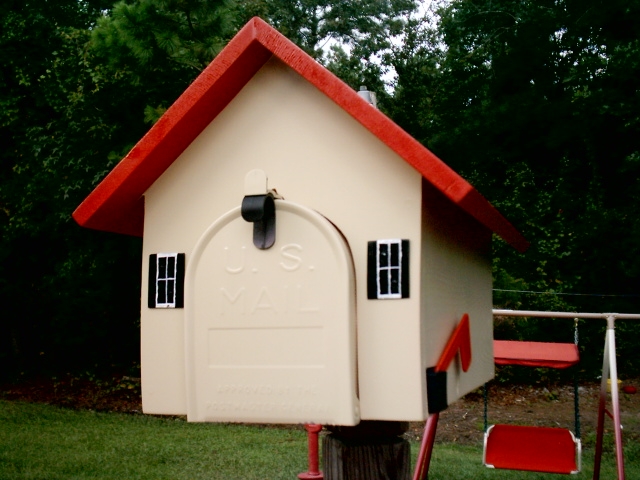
(170, 292)
(384, 282)
(171, 268)
(395, 280)
(395, 255)
(383, 257)
(162, 292)
(162, 267)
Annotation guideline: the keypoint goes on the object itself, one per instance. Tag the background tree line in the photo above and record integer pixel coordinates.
(537, 103)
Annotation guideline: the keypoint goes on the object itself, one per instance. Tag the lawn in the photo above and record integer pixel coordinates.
(49, 443)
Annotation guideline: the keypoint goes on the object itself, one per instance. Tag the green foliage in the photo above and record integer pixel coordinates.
(365, 25)
(156, 35)
(56, 137)
(349, 37)
(80, 83)
(509, 102)
(537, 113)
(71, 296)
(536, 103)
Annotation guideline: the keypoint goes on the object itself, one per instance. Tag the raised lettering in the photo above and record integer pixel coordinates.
(264, 301)
(304, 303)
(240, 260)
(232, 300)
(294, 261)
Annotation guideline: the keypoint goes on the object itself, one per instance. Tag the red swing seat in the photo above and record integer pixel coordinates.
(535, 354)
(536, 449)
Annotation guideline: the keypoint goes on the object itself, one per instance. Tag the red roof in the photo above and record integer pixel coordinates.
(117, 203)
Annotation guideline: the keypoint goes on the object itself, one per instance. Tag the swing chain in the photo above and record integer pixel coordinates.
(485, 397)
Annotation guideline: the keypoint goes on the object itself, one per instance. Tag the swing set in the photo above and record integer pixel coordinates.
(538, 449)
(533, 448)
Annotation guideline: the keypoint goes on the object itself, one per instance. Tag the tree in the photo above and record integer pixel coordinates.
(80, 82)
(313, 24)
(71, 296)
(51, 139)
(348, 37)
(536, 104)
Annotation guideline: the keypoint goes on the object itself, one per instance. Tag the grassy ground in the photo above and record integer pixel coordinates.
(44, 442)
(49, 443)
(464, 462)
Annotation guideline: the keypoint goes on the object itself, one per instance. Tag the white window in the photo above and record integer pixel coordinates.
(388, 269)
(166, 280)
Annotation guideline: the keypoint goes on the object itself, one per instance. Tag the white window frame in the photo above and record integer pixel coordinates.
(387, 271)
(168, 278)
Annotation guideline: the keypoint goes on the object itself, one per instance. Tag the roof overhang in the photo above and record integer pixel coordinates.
(117, 203)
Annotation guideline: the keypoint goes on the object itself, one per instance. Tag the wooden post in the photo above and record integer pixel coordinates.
(370, 450)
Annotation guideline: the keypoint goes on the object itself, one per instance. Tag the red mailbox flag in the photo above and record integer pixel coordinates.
(460, 341)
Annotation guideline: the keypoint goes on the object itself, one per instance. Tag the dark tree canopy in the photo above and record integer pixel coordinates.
(535, 102)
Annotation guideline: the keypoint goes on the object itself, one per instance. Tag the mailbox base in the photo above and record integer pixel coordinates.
(371, 449)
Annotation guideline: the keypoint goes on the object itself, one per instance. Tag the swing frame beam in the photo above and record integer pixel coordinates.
(609, 372)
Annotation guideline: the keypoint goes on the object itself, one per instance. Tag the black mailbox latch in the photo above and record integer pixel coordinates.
(261, 211)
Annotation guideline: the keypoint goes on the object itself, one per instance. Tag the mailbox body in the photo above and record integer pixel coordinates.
(320, 160)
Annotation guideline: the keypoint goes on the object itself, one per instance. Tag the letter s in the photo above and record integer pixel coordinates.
(294, 260)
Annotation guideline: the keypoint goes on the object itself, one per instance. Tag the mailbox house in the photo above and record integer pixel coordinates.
(304, 258)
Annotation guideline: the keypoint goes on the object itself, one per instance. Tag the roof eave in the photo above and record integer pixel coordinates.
(116, 204)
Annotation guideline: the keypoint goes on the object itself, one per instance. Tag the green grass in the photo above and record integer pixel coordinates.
(451, 462)
(48, 443)
(43, 442)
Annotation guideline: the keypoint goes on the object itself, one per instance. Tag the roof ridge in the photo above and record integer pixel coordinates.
(117, 203)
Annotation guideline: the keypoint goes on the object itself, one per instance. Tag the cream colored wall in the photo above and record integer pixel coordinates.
(316, 155)
(456, 279)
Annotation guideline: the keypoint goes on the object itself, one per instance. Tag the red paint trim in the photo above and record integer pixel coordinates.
(460, 341)
(115, 205)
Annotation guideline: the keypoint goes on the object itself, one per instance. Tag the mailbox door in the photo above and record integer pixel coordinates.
(270, 334)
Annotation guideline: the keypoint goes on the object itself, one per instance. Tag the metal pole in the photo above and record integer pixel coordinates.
(426, 448)
(314, 472)
(595, 316)
(576, 387)
(601, 408)
(615, 399)
(609, 372)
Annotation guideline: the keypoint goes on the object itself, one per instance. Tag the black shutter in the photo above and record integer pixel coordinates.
(372, 270)
(404, 281)
(180, 281)
(153, 262)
